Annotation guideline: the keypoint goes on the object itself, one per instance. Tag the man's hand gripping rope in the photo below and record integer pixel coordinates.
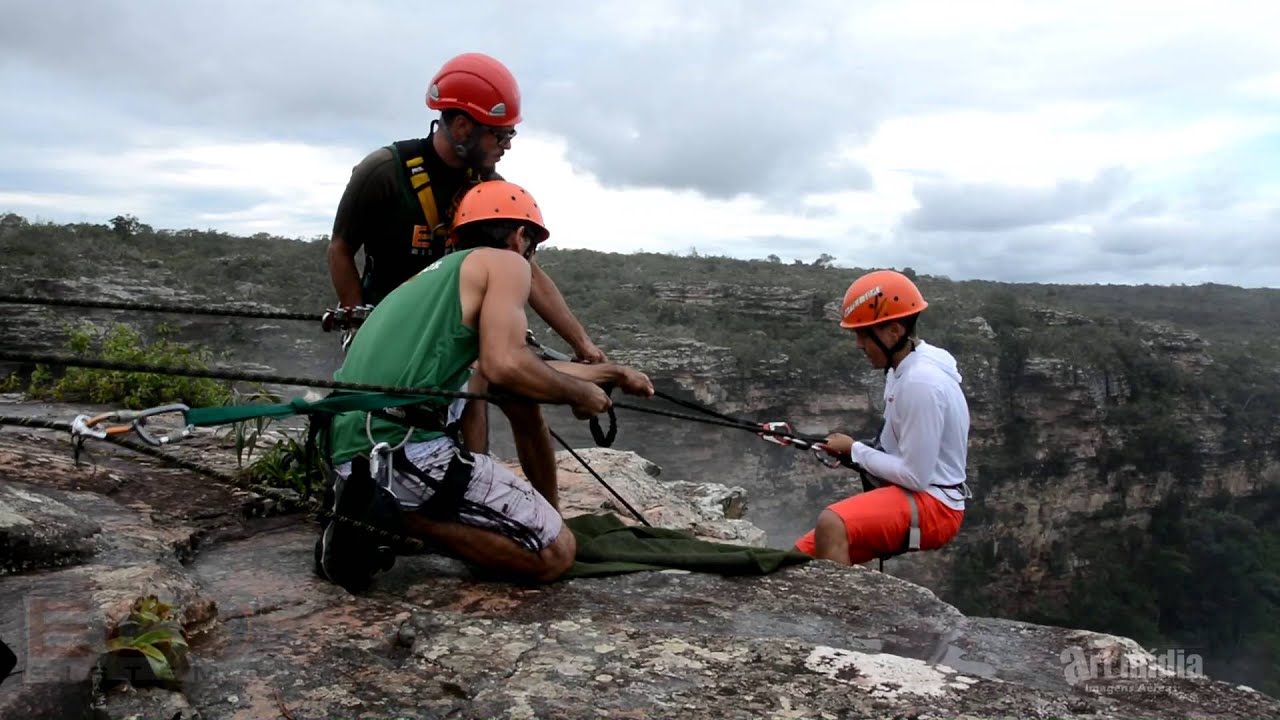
(781, 433)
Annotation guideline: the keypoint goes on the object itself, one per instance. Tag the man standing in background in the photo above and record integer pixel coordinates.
(400, 201)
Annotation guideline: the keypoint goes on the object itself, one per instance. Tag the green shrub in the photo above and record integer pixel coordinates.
(121, 343)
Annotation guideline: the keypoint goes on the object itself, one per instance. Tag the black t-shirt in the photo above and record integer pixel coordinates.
(376, 214)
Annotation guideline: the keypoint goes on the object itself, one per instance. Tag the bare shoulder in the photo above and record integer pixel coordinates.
(498, 262)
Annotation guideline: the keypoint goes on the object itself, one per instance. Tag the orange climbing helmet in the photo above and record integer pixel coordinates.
(478, 85)
(499, 199)
(878, 297)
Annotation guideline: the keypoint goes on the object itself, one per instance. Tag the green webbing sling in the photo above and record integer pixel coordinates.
(332, 405)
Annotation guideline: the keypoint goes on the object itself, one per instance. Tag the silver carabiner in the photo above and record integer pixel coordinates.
(776, 427)
(125, 421)
(380, 465)
(83, 427)
(825, 456)
(140, 424)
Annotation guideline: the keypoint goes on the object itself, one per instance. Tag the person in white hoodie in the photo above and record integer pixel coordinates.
(917, 466)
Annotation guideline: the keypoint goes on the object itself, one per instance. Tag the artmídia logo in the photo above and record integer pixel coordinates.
(1083, 665)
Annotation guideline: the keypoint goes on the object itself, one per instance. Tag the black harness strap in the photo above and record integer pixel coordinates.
(449, 492)
(448, 498)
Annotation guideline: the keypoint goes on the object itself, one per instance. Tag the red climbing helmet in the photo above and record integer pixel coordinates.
(478, 85)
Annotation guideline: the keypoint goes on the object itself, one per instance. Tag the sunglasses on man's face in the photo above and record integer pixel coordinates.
(503, 135)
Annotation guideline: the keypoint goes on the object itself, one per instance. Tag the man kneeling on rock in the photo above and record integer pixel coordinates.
(410, 473)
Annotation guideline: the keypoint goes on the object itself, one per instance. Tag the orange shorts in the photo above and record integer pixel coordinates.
(877, 522)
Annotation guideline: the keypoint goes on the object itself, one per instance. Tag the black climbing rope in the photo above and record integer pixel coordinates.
(599, 479)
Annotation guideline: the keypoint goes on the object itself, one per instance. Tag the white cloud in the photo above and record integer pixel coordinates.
(1050, 143)
(286, 188)
(740, 128)
(1261, 86)
(581, 213)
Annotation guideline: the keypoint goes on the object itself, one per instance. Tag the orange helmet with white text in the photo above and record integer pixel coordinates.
(878, 297)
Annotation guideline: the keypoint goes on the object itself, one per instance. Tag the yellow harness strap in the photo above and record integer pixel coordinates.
(422, 188)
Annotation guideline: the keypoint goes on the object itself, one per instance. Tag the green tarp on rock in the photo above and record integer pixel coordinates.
(607, 546)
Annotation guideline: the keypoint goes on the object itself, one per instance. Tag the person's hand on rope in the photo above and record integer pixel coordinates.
(587, 352)
(839, 444)
(634, 382)
(594, 401)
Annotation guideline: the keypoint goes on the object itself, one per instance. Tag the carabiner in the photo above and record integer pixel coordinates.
(140, 424)
(344, 318)
(832, 459)
(543, 351)
(777, 427)
(87, 426)
(125, 421)
(825, 455)
(380, 465)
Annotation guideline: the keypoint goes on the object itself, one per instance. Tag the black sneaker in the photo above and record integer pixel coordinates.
(8, 661)
(348, 555)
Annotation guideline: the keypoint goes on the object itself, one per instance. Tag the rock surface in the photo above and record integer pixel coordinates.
(743, 299)
(710, 511)
(431, 640)
(60, 538)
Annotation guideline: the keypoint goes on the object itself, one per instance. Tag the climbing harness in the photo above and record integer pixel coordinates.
(430, 223)
(410, 157)
(832, 459)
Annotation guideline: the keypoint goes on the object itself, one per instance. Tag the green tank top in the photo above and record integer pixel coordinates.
(414, 338)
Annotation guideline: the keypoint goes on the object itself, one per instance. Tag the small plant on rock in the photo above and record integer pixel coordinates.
(281, 464)
(147, 649)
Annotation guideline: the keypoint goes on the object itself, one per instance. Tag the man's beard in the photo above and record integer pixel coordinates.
(475, 159)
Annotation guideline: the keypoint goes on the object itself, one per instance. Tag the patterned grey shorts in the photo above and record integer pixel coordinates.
(496, 499)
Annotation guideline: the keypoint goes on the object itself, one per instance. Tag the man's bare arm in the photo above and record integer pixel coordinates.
(632, 382)
(505, 357)
(343, 272)
(546, 300)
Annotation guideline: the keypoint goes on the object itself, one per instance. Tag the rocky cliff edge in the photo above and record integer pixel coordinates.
(78, 544)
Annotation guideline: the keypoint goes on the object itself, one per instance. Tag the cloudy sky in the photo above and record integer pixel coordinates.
(1117, 141)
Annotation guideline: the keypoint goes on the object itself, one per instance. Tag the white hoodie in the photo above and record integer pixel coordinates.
(926, 431)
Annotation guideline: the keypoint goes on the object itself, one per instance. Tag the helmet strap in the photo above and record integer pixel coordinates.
(462, 150)
(889, 352)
